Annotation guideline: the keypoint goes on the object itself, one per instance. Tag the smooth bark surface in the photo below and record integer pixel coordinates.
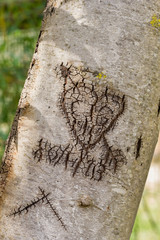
(86, 126)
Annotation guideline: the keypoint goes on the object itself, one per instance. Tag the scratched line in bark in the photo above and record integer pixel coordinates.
(91, 111)
(34, 203)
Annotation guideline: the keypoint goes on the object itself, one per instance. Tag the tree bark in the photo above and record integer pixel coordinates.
(86, 126)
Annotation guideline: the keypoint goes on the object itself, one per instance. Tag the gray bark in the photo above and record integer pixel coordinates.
(82, 140)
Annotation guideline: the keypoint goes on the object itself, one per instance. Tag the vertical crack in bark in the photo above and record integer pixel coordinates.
(139, 145)
(158, 112)
(37, 44)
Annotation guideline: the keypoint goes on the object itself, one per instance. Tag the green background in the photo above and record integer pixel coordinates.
(20, 23)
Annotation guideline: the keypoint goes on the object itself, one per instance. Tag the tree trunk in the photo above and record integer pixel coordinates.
(86, 126)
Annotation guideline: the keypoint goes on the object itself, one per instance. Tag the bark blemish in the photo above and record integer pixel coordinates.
(33, 62)
(128, 149)
(85, 201)
(40, 34)
(139, 145)
(158, 112)
(49, 10)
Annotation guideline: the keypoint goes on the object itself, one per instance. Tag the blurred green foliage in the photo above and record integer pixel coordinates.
(147, 226)
(20, 23)
(22, 14)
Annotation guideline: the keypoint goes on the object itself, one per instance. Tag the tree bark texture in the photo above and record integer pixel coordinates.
(86, 126)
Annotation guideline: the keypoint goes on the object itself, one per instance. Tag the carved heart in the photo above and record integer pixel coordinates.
(90, 113)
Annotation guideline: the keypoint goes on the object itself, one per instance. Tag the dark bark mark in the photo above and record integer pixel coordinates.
(33, 63)
(37, 44)
(139, 145)
(158, 112)
(51, 11)
(128, 148)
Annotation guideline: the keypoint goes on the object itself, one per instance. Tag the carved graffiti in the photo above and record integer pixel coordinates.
(44, 198)
(91, 112)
